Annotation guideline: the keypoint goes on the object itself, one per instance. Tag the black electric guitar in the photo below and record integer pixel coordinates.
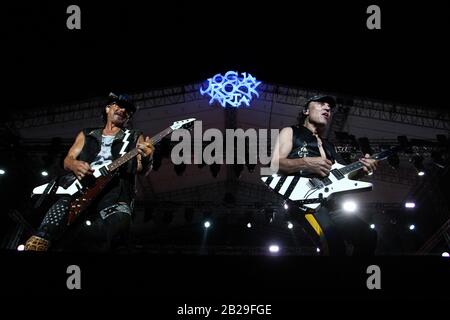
(84, 191)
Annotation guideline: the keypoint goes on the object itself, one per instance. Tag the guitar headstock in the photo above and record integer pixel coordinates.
(185, 124)
(387, 153)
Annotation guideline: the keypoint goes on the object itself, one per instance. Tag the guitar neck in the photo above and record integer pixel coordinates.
(355, 166)
(358, 165)
(133, 153)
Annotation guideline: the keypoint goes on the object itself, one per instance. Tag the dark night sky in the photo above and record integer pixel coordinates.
(131, 47)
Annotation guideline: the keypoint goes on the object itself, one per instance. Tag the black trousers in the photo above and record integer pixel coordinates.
(346, 234)
(91, 233)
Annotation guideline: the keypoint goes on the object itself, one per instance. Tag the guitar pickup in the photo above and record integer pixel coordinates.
(316, 183)
(319, 183)
(337, 174)
(326, 181)
(104, 171)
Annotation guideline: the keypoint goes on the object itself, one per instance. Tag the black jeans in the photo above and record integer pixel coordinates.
(92, 232)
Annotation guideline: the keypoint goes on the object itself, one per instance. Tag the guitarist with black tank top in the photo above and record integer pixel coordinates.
(99, 147)
(301, 149)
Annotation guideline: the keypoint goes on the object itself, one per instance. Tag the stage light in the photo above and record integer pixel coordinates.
(445, 254)
(274, 248)
(21, 247)
(207, 224)
(410, 205)
(317, 250)
(349, 206)
(412, 227)
(44, 173)
(269, 215)
(290, 225)
(2, 172)
(249, 217)
(417, 161)
(88, 223)
(372, 226)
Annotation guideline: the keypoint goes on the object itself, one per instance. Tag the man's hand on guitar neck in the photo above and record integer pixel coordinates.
(370, 165)
(145, 148)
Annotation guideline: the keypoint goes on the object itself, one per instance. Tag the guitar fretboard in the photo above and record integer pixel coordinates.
(351, 167)
(133, 153)
(358, 165)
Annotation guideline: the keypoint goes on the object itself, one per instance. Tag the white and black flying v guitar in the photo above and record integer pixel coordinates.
(311, 192)
(84, 191)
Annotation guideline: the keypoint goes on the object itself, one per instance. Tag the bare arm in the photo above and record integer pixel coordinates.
(283, 146)
(79, 168)
(280, 163)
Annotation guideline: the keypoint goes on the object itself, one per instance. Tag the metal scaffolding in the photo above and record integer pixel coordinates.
(92, 108)
(414, 115)
(401, 114)
(368, 108)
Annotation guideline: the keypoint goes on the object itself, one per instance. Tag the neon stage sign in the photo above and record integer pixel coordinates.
(231, 89)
